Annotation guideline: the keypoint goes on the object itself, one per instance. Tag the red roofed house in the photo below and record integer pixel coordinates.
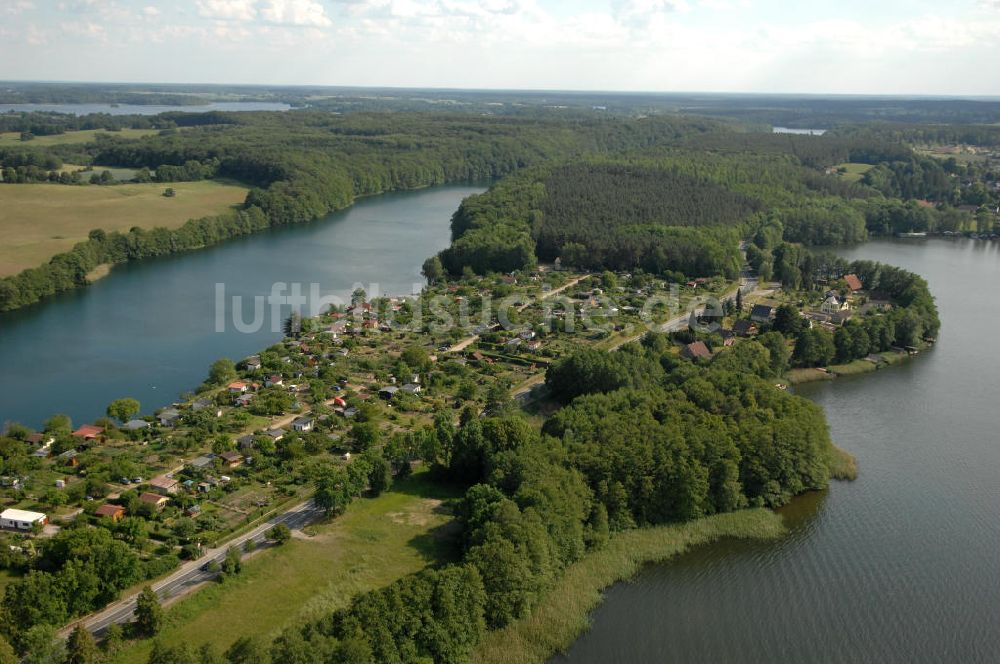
(853, 282)
(88, 432)
(113, 512)
(695, 350)
(154, 499)
(237, 387)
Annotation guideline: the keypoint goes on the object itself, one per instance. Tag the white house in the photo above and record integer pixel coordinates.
(302, 424)
(834, 305)
(21, 519)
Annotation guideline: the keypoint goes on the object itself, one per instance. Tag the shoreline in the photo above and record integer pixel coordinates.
(563, 613)
(855, 368)
(99, 272)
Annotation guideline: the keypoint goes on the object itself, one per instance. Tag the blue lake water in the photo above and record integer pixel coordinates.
(148, 330)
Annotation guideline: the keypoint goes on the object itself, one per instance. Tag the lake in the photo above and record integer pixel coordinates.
(804, 132)
(148, 330)
(143, 109)
(901, 565)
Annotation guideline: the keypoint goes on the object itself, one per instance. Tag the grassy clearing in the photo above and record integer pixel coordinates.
(563, 614)
(799, 376)
(38, 221)
(119, 174)
(853, 172)
(375, 542)
(9, 138)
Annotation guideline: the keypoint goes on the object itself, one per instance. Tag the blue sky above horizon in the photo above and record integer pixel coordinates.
(843, 46)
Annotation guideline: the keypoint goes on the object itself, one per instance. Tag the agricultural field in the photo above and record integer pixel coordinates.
(8, 138)
(38, 221)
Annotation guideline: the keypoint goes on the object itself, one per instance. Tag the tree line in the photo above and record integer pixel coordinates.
(305, 165)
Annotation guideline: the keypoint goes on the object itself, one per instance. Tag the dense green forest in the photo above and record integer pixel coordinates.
(670, 442)
(304, 165)
(682, 209)
(664, 210)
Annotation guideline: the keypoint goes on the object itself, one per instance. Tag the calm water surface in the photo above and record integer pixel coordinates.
(148, 329)
(902, 565)
(144, 109)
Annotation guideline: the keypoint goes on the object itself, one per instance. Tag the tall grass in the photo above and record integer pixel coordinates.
(843, 465)
(563, 613)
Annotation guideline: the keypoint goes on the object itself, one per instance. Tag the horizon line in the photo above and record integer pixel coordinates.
(568, 91)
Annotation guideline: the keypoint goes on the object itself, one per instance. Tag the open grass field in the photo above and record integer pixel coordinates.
(8, 138)
(853, 172)
(375, 542)
(38, 221)
(562, 614)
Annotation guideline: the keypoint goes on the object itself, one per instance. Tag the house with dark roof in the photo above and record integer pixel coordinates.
(169, 418)
(303, 424)
(203, 461)
(232, 459)
(744, 327)
(761, 313)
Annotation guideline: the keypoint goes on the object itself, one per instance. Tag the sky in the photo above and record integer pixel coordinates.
(940, 47)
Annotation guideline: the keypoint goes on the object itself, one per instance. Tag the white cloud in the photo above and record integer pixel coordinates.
(16, 7)
(150, 11)
(295, 12)
(87, 29)
(228, 10)
(35, 36)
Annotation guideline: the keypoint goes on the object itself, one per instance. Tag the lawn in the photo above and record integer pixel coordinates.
(38, 221)
(377, 541)
(853, 172)
(9, 138)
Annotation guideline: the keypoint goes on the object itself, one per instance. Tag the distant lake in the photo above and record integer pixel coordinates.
(148, 329)
(136, 109)
(805, 132)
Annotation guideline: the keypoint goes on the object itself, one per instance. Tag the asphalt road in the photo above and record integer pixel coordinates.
(194, 573)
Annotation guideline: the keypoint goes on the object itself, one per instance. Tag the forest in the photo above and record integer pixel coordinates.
(665, 210)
